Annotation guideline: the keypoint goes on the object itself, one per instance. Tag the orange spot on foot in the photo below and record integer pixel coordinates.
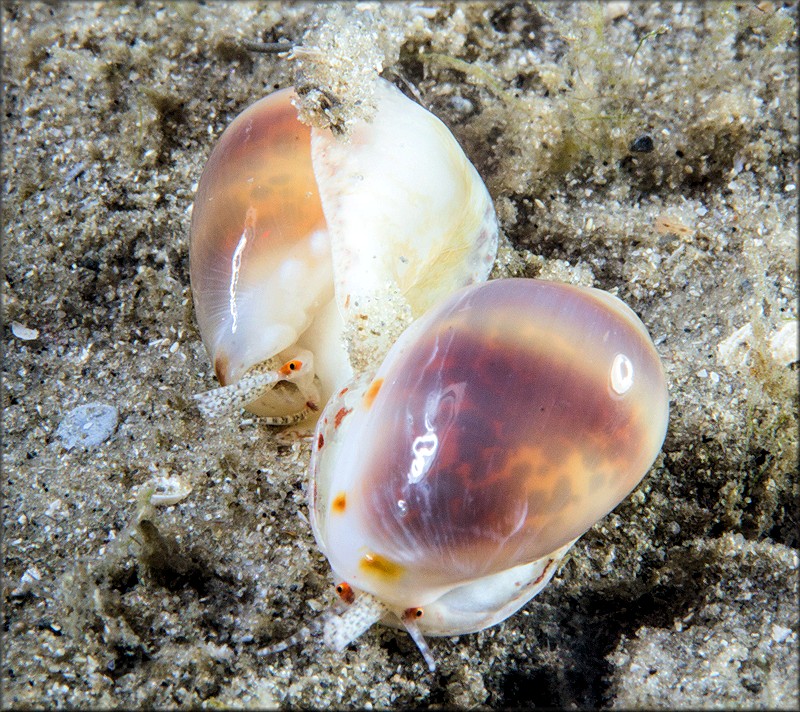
(341, 414)
(372, 391)
(339, 503)
(380, 566)
(320, 442)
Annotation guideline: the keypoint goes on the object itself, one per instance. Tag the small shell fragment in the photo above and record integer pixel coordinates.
(784, 344)
(780, 633)
(23, 333)
(87, 425)
(28, 581)
(734, 351)
(169, 491)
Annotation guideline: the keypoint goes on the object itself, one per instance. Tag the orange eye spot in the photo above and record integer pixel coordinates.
(345, 592)
(290, 367)
(413, 613)
(380, 566)
(339, 503)
(372, 391)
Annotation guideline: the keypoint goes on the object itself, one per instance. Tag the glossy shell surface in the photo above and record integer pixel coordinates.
(258, 228)
(295, 232)
(499, 428)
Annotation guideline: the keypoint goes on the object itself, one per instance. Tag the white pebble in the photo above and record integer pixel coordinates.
(779, 633)
(27, 582)
(734, 350)
(23, 333)
(87, 425)
(51, 510)
(461, 104)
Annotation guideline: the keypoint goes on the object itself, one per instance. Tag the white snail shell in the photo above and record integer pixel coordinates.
(501, 426)
(296, 234)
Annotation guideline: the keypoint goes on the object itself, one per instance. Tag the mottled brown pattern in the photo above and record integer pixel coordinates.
(262, 163)
(532, 448)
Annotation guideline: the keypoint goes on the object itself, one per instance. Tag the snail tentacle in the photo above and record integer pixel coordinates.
(259, 382)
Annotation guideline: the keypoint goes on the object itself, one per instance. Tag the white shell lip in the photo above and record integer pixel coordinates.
(405, 178)
(328, 437)
(483, 603)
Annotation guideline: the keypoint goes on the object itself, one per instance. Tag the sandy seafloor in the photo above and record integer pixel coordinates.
(684, 597)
